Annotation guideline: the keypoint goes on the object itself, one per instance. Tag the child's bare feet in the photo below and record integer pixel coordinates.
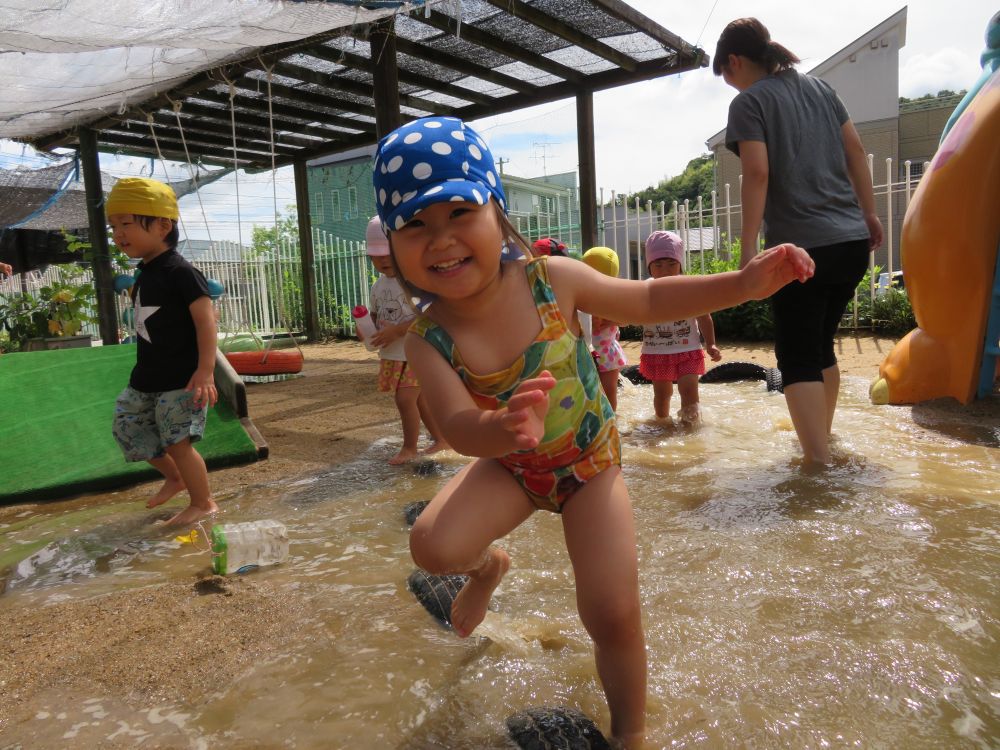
(192, 514)
(404, 456)
(436, 447)
(170, 488)
(469, 607)
(690, 414)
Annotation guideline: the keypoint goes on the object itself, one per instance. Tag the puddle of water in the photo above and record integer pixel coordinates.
(858, 606)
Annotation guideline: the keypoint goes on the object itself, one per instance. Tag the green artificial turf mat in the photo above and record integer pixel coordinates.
(55, 428)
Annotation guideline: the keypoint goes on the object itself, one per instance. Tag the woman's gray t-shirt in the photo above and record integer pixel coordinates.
(810, 199)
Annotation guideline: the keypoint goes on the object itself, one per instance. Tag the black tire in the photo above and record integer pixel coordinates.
(632, 374)
(774, 382)
(729, 372)
(411, 511)
(436, 593)
(557, 728)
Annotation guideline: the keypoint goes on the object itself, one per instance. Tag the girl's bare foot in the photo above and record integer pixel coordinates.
(404, 456)
(436, 447)
(170, 488)
(193, 513)
(690, 414)
(469, 607)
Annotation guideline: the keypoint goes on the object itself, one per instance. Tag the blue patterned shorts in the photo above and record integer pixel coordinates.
(146, 423)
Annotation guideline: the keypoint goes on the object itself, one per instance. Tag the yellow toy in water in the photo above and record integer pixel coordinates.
(949, 254)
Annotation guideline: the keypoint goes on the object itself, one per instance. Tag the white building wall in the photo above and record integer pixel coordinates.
(868, 80)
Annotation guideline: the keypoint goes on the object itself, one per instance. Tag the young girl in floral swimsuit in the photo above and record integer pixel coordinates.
(499, 355)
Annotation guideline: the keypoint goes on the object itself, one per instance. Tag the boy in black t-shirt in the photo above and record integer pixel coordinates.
(161, 413)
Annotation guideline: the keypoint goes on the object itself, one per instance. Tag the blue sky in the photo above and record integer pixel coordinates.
(669, 119)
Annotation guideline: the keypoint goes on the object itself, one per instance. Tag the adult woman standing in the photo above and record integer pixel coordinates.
(805, 175)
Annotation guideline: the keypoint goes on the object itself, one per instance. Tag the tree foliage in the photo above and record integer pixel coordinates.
(696, 179)
(939, 95)
(266, 240)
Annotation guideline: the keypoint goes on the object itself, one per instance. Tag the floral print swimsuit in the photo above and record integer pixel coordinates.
(581, 439)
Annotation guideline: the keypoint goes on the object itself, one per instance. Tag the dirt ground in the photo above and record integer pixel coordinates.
(126, 645)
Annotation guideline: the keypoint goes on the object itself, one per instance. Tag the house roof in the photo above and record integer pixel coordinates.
(470, 59)
(894, 23)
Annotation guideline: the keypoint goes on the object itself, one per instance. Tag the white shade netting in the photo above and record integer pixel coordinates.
(68, 62)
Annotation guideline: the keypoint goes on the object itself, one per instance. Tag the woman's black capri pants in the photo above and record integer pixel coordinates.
(806, 315)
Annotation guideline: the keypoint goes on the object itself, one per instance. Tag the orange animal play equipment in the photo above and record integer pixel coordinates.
(949, 254)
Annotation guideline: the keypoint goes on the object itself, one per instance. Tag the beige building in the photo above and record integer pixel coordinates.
(865, 74)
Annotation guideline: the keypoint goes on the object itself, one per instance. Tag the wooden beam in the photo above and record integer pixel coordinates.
(359, 62)
(218, 116)
(290, 110)
(588, 169)
(310, 98)
(463, 66)
(563, 30)
(650, 28)
(309, 306)
(385, 83)
(137, 146)
(169, 133)
(444, 22)
(358, 88)
(202, 119)
(104, 283)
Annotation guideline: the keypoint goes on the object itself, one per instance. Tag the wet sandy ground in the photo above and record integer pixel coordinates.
(178, 642)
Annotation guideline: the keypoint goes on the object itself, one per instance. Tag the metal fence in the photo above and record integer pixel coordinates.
(264, 291)
(711, 223)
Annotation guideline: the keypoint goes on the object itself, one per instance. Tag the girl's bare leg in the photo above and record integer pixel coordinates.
(662, 391)
(687, 387)
(438, 442)
(192, 469)
(409, 415)
(172, 480)
(454, 534)
(600, 537)
(609, 382)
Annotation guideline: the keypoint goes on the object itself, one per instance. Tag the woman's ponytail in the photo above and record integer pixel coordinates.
(749, 38)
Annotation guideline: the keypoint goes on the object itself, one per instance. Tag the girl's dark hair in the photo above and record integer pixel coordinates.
(173, 236)
(749, 38)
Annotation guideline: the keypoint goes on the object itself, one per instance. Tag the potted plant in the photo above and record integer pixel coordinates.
(52, 317)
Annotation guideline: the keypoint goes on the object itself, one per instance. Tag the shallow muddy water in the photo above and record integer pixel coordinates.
(856, 607)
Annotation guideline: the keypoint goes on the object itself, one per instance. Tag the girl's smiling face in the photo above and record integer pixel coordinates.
(450, 249)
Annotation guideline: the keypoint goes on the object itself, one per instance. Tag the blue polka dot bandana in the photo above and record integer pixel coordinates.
(428, 161)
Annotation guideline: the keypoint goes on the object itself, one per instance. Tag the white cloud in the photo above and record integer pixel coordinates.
(944, 69)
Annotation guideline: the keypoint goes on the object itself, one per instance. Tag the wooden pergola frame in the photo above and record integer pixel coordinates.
(330, 98)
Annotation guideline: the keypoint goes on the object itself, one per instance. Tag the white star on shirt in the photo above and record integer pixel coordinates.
(141, 313)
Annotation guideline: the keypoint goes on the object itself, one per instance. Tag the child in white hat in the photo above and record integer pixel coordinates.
(392, 314)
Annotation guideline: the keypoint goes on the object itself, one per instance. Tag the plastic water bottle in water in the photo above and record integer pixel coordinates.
(365, 325)
(239, 547)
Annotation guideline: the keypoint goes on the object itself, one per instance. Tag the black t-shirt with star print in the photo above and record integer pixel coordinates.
(167, 342)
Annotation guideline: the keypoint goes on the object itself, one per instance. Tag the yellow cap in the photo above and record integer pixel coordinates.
(602, 259)
(142, 197)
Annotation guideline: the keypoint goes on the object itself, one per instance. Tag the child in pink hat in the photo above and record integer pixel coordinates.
(672, 350)
(392, 314)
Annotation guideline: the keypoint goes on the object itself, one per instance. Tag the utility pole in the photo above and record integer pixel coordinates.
(500, 162)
